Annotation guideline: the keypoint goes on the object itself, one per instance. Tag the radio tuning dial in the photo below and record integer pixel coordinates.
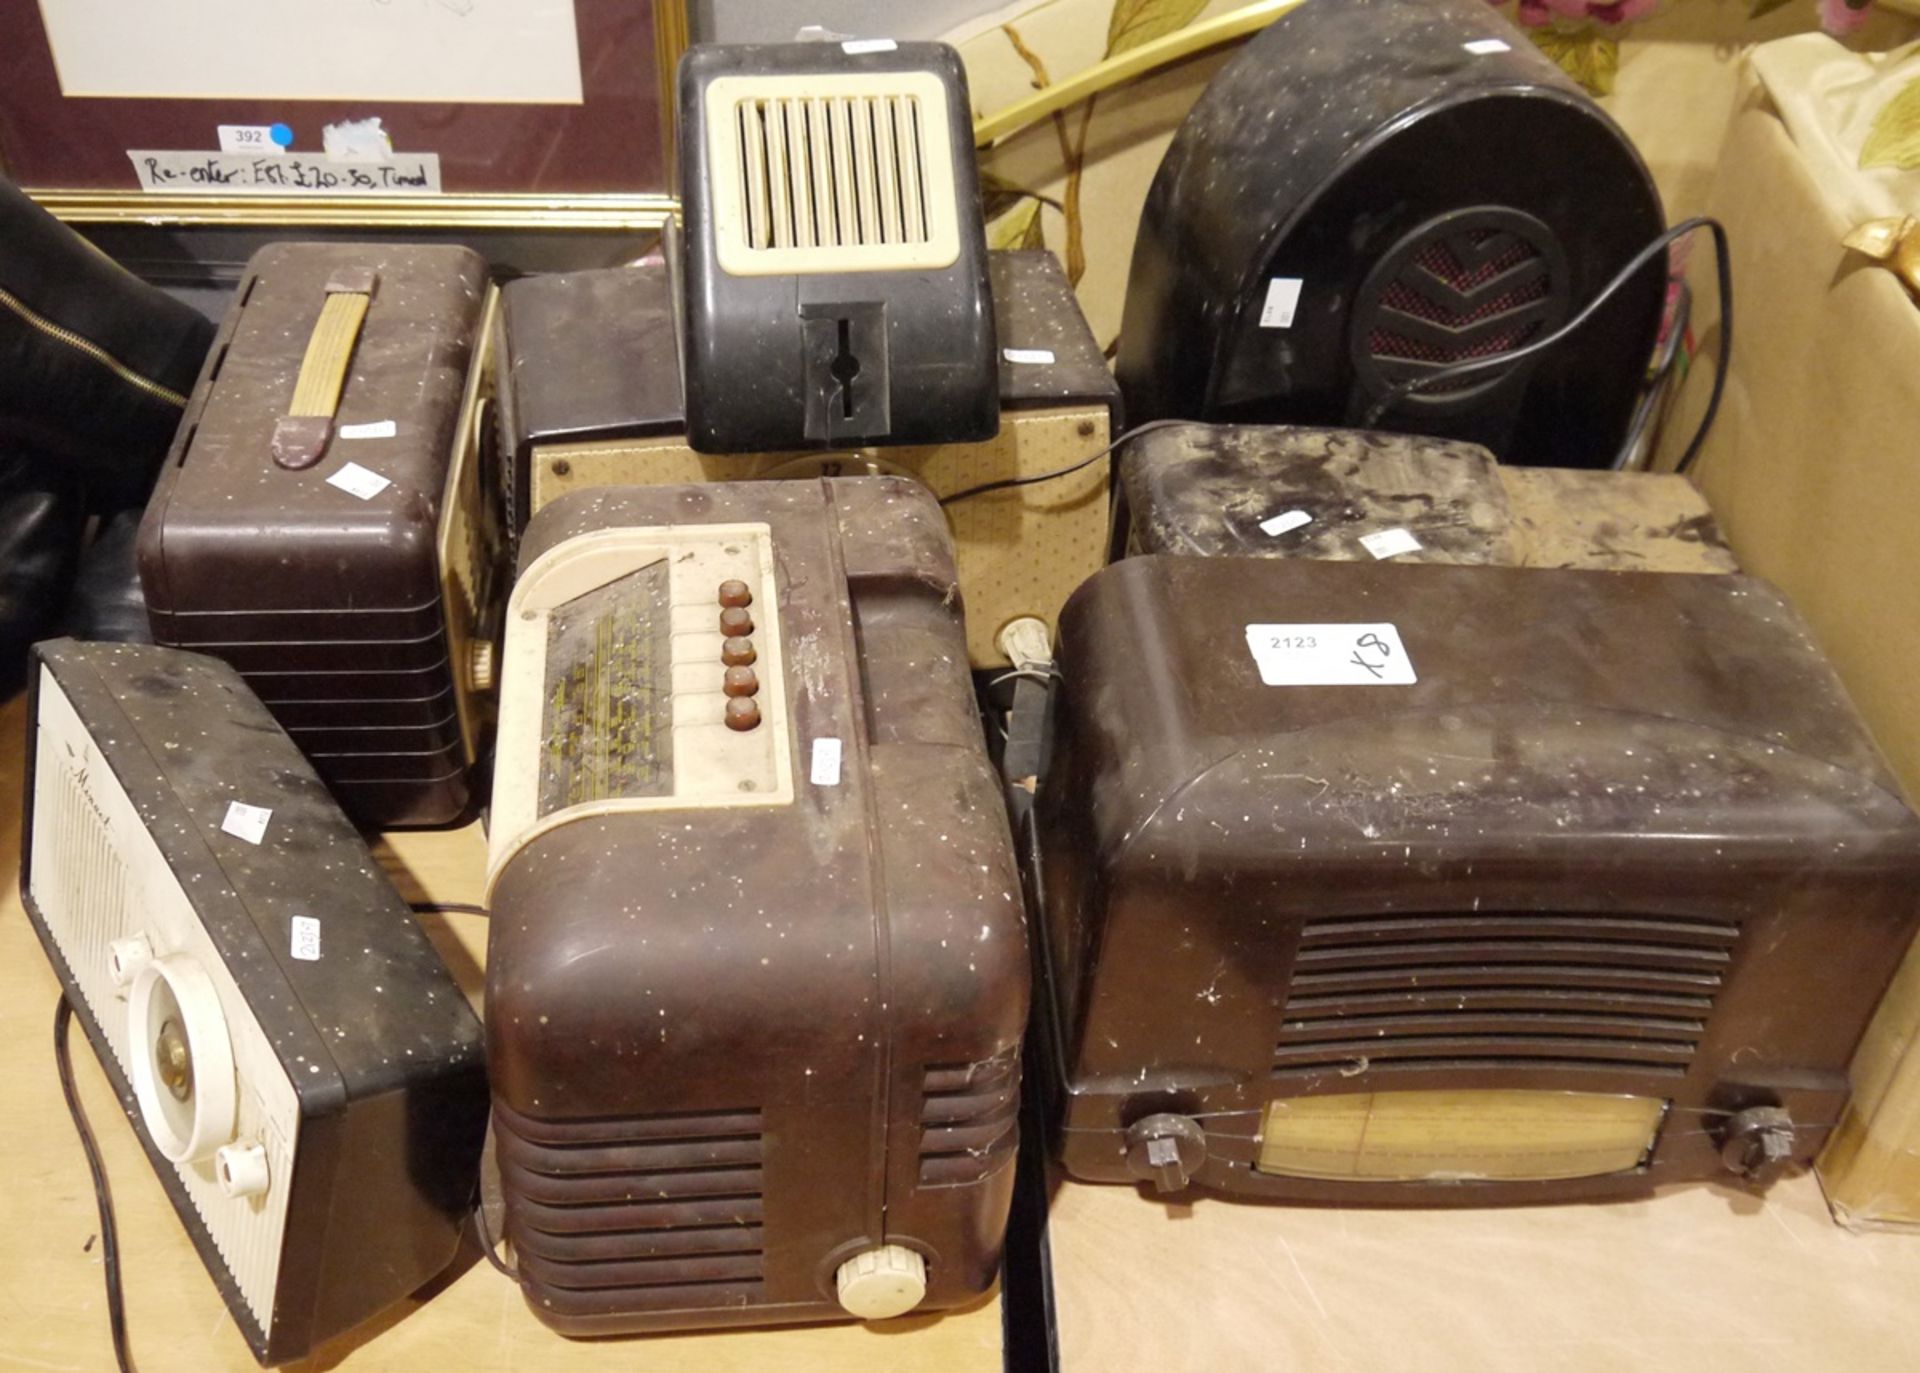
(1166, 1150)
(881, 1283)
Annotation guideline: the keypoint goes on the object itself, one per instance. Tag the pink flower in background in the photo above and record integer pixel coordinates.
(1843, 16)
(1534, 13)
(1836, 16)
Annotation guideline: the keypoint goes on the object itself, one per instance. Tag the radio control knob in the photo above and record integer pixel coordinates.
(742, 713)
(126, 957)
(882, 1283)
(241, 1169)
(1757, 1143)
(740, 681)
(480, 662)
(738, 651)
(735, 622)
(1166, 1150)
(735, 593)
(1027, 642)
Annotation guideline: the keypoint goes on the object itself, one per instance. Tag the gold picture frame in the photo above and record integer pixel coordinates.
(635, 208)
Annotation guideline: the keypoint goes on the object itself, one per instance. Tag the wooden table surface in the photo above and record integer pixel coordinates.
(52, 1301)
(1700, 1279)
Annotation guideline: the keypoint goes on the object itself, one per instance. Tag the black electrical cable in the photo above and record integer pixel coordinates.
(445, 908)
(1004, 483)
(1496, 361)
(485, 1237)
(102, 1198)
(1658, 379)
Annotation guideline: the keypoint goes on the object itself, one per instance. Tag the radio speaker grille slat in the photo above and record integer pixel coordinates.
(1502, 990)
(845, 171)
(666, 1210)
(969, 1120)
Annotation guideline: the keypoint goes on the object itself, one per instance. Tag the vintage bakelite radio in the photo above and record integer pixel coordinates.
(758, 969)
(1370, 191)
(1285, 491)
(831, 309)
(305, 1076)
(1379, 883)
(328, 521)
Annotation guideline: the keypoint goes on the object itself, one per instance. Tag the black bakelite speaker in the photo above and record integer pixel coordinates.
(1375, 189)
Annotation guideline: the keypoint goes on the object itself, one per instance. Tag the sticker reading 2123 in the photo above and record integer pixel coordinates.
(1330, 655)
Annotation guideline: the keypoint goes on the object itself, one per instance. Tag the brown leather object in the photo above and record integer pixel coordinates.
(95, 364)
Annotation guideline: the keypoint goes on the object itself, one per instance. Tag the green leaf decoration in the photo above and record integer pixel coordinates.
(1141, 21)
(1020, 229)
(1894, 139)
(1589, 56)
(1762, 8)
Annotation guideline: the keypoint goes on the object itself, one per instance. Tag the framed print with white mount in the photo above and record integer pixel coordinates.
(394, 113)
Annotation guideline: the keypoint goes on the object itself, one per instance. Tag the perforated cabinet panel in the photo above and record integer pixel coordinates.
(1020, 552)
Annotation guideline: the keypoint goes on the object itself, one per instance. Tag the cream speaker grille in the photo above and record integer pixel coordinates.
(832, 173)
(100, 879)
(303, 1073)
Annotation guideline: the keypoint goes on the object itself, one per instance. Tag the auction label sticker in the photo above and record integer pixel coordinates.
(1330, 655)
(246, 822)
(1282, 302)
(359, 481)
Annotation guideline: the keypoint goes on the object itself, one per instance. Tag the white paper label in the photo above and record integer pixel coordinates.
(306, 939)
(1483, 47)
(356, 480)
(1389, 543)
(1330, 655)
(855, 46)
(178, 173)
(1283, 298)
(1280, 524)
(826, 763)
(246, 822)
(249, 138)
(1027, 354)
(378, 429)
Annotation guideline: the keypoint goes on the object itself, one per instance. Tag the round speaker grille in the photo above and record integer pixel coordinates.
(1467, 284)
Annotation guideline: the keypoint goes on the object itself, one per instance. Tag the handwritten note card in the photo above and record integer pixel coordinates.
(182, 173)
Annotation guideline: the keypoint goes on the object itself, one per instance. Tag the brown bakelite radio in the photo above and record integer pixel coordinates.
(329, 524)
(1380, 883)
(758, 970)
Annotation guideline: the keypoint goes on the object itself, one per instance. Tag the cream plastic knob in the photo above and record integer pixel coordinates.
(884, 1282)
(1027, 642)
(126, 957)
(480, 664)
(241, 1168)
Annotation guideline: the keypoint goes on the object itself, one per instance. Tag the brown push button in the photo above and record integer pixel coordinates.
(735, 593)
(735, 622)
(738, 652)
(740, 681)
(742, 713)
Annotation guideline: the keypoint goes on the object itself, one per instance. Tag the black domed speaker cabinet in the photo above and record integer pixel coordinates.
(1375, 189)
